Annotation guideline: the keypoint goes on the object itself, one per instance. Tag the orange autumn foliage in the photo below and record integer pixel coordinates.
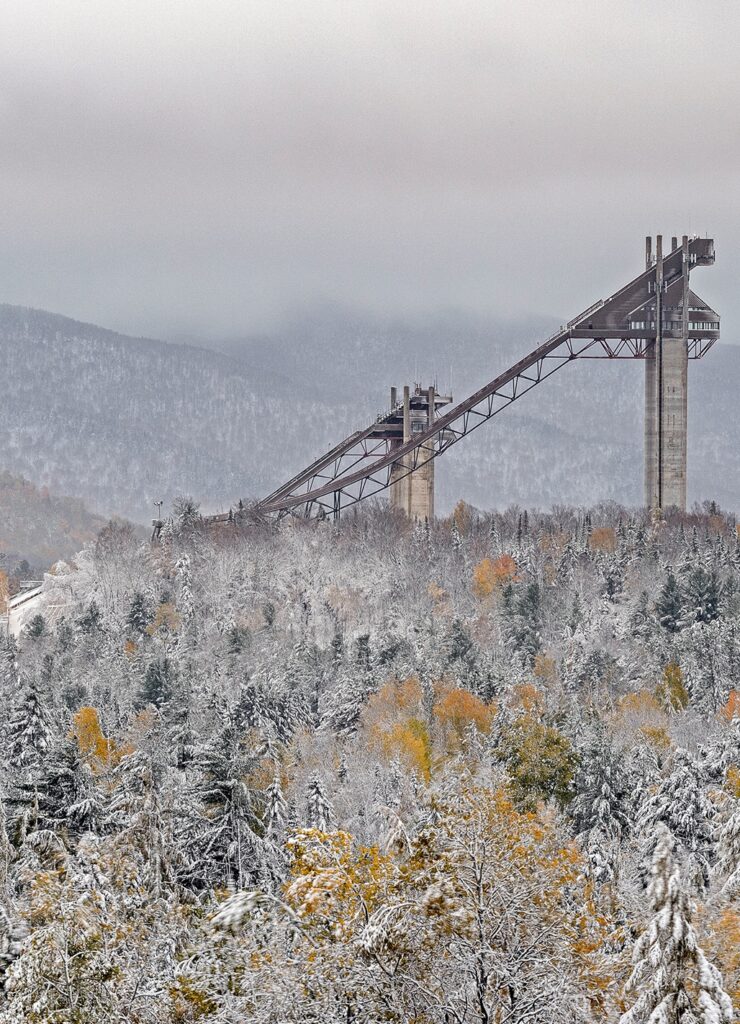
(438, 594)
(527, 698)
(732, 707)
(490, 575)
(396, 694)
(603, 538)
(457, 709)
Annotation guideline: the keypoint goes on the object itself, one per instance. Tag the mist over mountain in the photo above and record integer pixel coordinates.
(120, 421)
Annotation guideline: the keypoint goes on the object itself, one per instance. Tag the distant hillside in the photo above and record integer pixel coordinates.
(123, 421)
(120, 421)
(40, 527)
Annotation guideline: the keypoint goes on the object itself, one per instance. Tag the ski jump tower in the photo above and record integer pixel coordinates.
(656, 318)
(673, 313)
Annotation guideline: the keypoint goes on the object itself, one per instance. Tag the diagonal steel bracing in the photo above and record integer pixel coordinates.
(621, 327)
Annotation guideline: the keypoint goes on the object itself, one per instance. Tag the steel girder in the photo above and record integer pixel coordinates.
(369, 460)
(360, 469)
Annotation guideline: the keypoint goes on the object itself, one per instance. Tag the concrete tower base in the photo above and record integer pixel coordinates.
(666, 391)
(413, 493)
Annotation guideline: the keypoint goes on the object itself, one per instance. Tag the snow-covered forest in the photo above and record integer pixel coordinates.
(484, 771)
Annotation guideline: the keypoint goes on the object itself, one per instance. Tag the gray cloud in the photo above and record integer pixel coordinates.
(202, 167)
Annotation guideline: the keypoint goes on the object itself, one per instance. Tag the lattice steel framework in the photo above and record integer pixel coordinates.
(620, 327)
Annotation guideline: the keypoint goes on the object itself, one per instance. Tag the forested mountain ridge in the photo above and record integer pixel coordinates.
(121, 422)
(379, 772)
(40, 527)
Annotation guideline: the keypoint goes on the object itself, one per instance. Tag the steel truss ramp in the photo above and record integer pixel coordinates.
(368, 461)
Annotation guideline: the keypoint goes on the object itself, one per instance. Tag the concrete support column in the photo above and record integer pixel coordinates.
(675, 402)
(666, 394)
(653, 364)
(398, 490)
(422, 480)
(673, 418)
(652, 497)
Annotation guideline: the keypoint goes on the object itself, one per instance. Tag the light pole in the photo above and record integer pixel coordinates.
(157, 524)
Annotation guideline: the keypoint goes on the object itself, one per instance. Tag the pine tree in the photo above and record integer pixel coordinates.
(522, 618)
(681, 804)
(159, 683)
(140, 614)
(727, 867)
(135, 810)
(320, 813)
(181, 742)
(36, 627)
(276, 810)
(702, 593)
(602, 802)
(60, 799)
(668, 962)
(669, 606)
(457, 642)
(91, 619)
(640, 620)
(30, 731)
(225, 847)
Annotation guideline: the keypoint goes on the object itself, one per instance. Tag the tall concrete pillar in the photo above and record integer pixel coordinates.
(413, 493)
(399, 491)
(421, 490)
(666, 394)
(651, 407)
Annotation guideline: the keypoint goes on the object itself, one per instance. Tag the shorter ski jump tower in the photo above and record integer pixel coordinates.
(656, 318)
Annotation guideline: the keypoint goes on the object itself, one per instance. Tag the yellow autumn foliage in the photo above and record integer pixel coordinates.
(732, 781)
(334, 882)
(98, 750)
(409, 742)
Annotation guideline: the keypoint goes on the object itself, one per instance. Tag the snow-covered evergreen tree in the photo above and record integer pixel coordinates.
(29, 729)
(672, 979)
(320, 814)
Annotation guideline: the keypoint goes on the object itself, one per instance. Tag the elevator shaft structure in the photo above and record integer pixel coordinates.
(674, 313)
(656, 317)
(412, 493)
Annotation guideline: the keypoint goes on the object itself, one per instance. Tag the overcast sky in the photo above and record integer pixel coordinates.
(204, 167)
